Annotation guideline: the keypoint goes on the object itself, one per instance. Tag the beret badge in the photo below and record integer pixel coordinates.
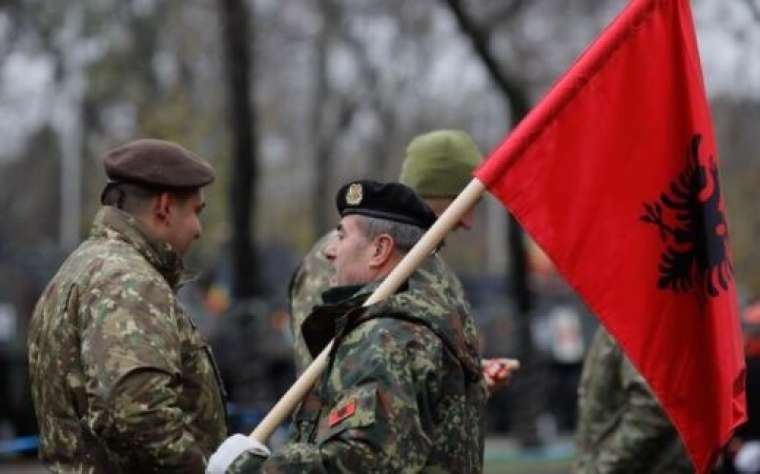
(354, 194)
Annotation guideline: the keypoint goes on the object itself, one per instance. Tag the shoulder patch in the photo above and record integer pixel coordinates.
(342, 412)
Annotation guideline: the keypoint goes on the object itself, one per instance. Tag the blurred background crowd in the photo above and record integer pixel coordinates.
(290, 99)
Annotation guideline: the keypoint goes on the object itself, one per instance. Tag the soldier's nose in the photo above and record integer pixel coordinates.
(329, 251)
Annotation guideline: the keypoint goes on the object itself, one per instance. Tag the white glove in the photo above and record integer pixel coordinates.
(747, 460)
(230, 449)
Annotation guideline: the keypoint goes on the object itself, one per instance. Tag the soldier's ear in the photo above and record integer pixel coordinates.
(162, 207)
(383, 250)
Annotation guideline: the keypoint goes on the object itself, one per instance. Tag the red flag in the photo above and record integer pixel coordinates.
(614, 174)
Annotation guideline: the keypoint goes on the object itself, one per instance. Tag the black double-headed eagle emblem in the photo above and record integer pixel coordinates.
(691, 220)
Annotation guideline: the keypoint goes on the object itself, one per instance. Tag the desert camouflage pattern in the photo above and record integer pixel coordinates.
(403, 391)
(312, 278)
(121, 379)
(621, 426)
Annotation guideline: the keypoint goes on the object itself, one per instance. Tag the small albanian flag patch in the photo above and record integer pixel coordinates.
(341, 413)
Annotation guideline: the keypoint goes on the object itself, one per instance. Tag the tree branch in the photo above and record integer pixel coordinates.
(754, 8)
(505, 13)
(514, 92)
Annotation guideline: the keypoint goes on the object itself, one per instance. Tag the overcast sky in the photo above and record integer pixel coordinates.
(728, 34)
(729, 42)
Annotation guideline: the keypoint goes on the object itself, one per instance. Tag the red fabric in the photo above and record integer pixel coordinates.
(612, 175)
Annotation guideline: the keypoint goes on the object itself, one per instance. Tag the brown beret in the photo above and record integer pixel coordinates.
(157, 163)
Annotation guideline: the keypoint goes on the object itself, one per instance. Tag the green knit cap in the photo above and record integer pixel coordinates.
(440, 163)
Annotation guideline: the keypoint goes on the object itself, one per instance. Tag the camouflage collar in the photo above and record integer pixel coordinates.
(321, 325)
(424, 299)
(342, 309)
(112, 223)
(336, 294)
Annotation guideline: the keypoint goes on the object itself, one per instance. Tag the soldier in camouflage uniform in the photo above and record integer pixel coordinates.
(121, 379)
(310, 280)
(403, 391)
(621, 426)
(438, 165)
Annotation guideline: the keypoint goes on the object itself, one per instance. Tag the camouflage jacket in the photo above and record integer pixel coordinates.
(621, 426)
(312, 278)
(121, 379)
(403, 391)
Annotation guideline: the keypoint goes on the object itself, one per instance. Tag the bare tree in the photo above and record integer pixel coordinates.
(383, 108)
(503, 13)
(754, 8)
(331, 114)
(321, 90)
(515, 94)
(236, 37)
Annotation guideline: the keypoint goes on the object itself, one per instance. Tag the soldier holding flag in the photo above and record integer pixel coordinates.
(437, 166)
(576, 173)
(403, 390)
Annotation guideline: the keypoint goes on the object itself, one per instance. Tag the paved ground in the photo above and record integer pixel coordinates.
(21, 468)
(502, 457)
(491, 468)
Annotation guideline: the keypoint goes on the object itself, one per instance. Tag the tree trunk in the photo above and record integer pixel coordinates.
(331, 116)
(528, 385)
(322, 143)
(236, 38)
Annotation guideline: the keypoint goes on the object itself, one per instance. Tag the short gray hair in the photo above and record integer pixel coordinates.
(404, 235)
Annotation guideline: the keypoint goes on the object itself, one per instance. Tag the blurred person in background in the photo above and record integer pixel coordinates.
(121, 379)
(404, 390)
(437, 166)
(743, 452)
(621, 426)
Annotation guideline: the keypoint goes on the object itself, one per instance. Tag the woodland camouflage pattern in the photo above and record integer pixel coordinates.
(403, 392)
(621, 426)
(121, 379)
(312, 278)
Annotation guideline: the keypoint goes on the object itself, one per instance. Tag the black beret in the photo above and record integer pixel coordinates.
(157, 163)
(390, 201)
